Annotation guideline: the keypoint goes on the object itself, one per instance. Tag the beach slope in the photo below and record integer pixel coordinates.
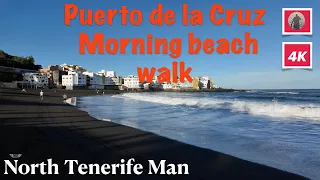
(49, 129)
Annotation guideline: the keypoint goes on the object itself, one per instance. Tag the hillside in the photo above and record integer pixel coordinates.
(27, 62)
(8, 60)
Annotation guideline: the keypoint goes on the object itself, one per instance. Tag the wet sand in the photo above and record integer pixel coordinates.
(49, 129)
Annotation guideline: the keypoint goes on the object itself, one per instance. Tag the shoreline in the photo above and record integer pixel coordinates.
(55, 129)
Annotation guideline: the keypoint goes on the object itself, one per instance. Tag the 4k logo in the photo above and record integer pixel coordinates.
(297, 55)
(293, 56)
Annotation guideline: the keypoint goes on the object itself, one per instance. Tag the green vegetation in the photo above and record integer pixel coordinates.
(8, 60)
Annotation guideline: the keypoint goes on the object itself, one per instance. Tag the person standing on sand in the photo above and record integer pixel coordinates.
(64, 98)
(41, 95)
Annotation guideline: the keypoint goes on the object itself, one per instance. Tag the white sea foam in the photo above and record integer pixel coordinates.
(282, 92)
(100, 118)
(72, 101)
(272, 109)
(104, 119)
(269, 92)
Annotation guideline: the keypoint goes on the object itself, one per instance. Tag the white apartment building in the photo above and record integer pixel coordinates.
(204, 82)
(113, 81)
(132, 82)
(74, 79)
(166, 85)
(110, 74)
(156, 84)
(35, 80)
(107, 73)
(146, 86)
(95, 81)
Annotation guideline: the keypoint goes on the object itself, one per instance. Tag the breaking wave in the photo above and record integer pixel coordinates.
(265, 92)
(271, 109)
(282, 92)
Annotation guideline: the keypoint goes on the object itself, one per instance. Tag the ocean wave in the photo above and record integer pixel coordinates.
(251, 91)
(281, 98)
(271, 109)
(272, 92)
(282, 92)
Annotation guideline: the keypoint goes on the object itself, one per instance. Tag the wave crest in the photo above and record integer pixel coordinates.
(272, 109)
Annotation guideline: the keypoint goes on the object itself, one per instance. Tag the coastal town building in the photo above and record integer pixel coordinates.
(155, 84)
(57, 77)
(107, 73)
(54, 74)
(146, 86)
(186, 84)
(132, 82)
(74, 76)
(158, 85)
(175, 85)
(94, 80)
(113, 81)
(195, 83)
(72, 67)
(110, 74)
(35, 80)
(166, 85)
(204, 82)
(74, 80)
(50, 68)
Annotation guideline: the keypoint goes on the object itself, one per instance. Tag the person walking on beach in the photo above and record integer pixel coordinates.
(41, 95)
(64, 98)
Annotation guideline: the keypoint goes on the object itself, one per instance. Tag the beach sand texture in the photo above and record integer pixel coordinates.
(48, 128)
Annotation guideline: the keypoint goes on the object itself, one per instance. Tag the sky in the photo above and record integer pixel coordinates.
(37, 28)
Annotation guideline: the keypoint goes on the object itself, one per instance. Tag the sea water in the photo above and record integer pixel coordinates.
(278, 128)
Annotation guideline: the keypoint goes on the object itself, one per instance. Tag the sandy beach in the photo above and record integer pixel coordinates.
(48, 128)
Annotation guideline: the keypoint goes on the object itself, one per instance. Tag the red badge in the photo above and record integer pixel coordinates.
(297, 55)
(296, 21)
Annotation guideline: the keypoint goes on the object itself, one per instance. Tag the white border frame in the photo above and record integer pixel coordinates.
(296, 67)
(296, 33)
